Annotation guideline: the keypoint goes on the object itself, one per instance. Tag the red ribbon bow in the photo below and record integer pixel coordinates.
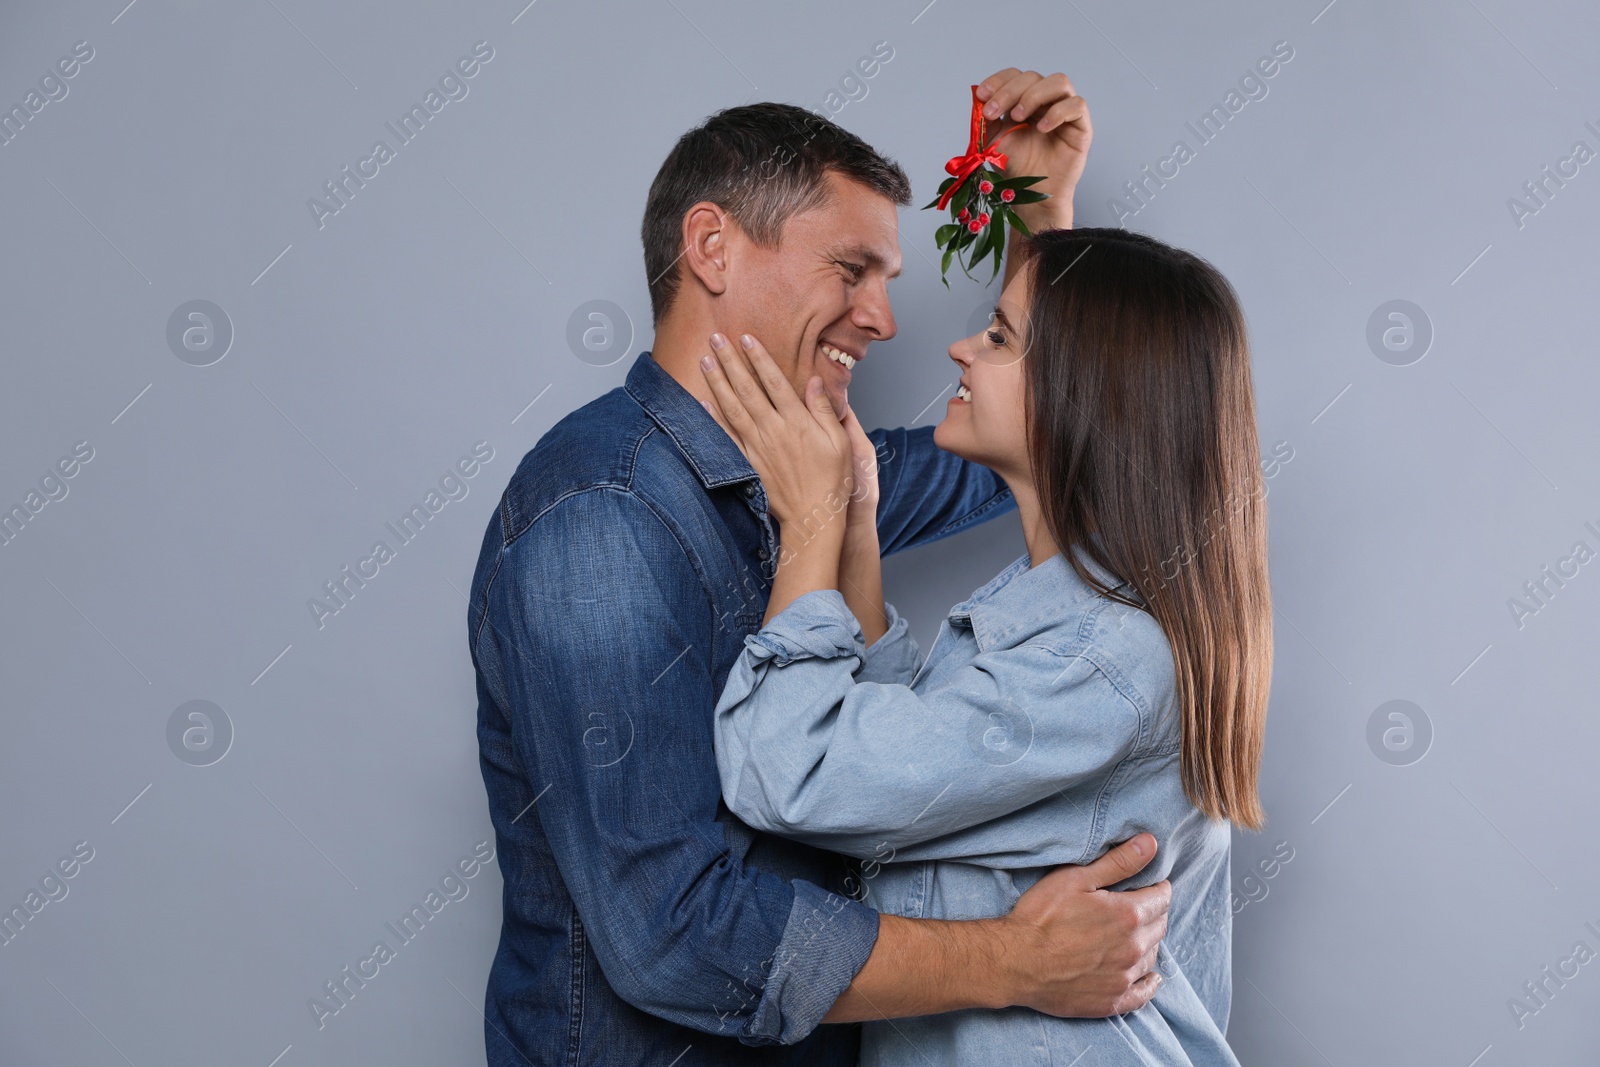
(962, 167)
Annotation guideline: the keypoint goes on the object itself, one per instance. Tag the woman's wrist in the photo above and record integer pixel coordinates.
(861, 581)
(807, 561)
(861, 535)
(862, 514)
(1052, 214)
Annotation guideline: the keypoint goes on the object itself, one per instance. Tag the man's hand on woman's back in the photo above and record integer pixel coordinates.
(1070, 948)
(1083, 951)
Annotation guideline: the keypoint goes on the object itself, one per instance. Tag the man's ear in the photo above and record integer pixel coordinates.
(706, 229)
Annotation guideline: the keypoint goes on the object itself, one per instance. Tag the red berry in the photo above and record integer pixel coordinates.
(964, 216)
(1008, 195)
(986, 187)
(983, 218)
(974, 226)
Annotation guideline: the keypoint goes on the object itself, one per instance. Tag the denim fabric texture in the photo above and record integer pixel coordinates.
(1040, 729)
(629, 558)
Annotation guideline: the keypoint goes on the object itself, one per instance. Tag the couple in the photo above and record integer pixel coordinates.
(737, 811)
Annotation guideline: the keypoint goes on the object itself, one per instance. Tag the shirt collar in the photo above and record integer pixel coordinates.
(716, 460)
(1024, 599)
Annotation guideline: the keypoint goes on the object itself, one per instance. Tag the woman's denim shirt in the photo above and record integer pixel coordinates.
(1041, 729)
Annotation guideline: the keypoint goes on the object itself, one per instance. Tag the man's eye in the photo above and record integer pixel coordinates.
(856, 270)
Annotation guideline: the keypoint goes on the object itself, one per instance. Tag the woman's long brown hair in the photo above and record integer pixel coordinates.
(1142, 436)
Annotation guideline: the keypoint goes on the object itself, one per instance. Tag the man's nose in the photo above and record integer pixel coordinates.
(872, 312)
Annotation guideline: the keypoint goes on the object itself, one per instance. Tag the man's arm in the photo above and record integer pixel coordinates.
(606, 633)
(926, 493)
(1069, 948)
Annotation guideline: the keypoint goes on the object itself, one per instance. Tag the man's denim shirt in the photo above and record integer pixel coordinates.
(629, 558)
(1040, 730)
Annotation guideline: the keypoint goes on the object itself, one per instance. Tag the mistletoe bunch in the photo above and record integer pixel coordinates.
(980, 200)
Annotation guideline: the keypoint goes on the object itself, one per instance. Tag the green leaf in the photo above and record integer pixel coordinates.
(985, 238)
(944, 264)
(942, 187)
(1019, 182)
(1028, 196)
(963, 196)
(1016, 220)
(966, 267)
(942, 235)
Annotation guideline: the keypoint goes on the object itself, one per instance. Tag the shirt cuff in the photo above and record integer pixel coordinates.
(817, 625)
(893, 658)
(826, 942)
(820, 625)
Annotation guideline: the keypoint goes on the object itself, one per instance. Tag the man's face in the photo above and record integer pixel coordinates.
(823, 291)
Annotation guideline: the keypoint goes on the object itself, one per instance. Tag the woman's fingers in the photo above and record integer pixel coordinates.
(991, 85)
(1006, 94)
(863, 453)
(777, 387)
(1071, 109)
(728, 400)
(742, 380)
(863, 457)
(821, 411)
(1039, 94)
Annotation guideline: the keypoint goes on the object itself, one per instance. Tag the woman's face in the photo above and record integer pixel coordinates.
(984, 421)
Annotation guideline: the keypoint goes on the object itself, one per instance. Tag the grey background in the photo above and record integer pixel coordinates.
(431, 313)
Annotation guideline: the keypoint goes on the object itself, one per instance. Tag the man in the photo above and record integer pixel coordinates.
(631, 555)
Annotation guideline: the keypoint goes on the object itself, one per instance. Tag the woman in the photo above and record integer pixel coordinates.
(1111, 680)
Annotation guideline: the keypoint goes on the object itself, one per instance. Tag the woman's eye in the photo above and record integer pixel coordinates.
(996, 338)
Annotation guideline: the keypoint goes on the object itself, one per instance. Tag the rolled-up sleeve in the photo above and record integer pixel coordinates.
(894, 657)
(808, 750)
(608, 673)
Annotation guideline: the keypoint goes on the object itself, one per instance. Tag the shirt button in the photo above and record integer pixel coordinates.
(749, 490)
(762, 554)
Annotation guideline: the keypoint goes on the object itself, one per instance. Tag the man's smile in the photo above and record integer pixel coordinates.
(839, 362)
(839, 355)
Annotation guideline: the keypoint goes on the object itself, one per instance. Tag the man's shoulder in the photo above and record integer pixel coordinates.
(610, 443)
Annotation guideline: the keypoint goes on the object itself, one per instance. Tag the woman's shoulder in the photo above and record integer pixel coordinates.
(1120, 641)
(1132, 650)
(1081, 619)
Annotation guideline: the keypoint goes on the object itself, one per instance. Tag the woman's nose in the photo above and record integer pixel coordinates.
(964, 350)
